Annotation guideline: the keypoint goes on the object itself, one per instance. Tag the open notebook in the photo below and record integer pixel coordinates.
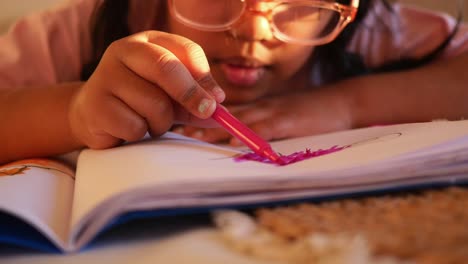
(46, 205)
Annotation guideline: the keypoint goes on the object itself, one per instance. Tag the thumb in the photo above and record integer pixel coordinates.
(183, 117)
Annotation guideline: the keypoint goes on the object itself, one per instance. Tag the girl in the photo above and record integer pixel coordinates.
(285, 68)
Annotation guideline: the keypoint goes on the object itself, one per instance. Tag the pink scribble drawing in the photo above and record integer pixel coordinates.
(308, 154)
(291, 158)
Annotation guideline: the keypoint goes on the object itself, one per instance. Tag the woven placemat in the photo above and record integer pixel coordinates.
(428, 226)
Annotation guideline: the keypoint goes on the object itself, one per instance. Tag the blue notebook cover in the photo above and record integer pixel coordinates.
(14, 231)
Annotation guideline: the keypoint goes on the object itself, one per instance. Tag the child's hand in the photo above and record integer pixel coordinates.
(283, 116)
(145, 82)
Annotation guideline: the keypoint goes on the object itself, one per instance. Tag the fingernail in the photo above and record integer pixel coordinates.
(178, 130)
(209, 83)
(204, 105)
(218, 93)
(198, 134)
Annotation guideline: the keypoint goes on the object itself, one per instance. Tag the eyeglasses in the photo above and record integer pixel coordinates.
(305, 22)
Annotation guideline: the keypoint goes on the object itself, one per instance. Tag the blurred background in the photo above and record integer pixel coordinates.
(11, 10)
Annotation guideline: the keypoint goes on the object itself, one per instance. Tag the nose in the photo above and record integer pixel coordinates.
(253, 25)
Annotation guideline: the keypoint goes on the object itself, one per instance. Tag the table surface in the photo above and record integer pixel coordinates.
(183, 239)
(144, 241)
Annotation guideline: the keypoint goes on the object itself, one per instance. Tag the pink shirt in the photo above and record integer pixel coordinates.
(51, 46)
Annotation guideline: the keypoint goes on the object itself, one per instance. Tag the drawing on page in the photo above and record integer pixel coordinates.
(308, 153)
(291, 158)
(22, 166)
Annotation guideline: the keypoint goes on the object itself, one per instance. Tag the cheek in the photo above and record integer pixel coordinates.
(292, 58)
(200, 37)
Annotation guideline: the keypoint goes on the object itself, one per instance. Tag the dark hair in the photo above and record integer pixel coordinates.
(111, 23)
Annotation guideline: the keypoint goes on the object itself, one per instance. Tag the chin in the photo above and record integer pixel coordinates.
(239, 95)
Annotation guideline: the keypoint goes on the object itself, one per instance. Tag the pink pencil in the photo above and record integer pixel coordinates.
(244, 134)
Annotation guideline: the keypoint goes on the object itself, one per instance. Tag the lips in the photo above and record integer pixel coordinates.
(242, 71)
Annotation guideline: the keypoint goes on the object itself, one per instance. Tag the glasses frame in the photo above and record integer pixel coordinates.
(347, 15)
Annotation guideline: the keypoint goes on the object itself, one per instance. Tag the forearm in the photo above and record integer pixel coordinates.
(35, 122)
(436, 91)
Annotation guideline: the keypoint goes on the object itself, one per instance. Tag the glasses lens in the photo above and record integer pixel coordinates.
(208, 13)
(305, 23)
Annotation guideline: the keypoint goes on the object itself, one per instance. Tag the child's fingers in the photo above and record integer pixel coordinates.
(148, 100)
(205, 134)
(182, 117)
(270, 129)
(113, 122)
(117, 119)
(253, 113)
(123, 107)
(214, 135)
(192, 56)
(162, 67)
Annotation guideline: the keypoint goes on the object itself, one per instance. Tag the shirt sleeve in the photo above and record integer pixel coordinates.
(47, 47)
(403, 32)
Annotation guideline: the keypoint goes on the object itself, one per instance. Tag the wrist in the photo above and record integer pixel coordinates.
(329, 108)
(354, 102)
(341, 102)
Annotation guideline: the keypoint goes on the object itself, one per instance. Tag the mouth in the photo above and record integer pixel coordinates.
(243, 71)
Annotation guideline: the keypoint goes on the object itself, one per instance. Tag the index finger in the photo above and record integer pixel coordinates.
(173, 62)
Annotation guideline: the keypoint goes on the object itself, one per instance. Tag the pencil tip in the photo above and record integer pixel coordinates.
(273, 156)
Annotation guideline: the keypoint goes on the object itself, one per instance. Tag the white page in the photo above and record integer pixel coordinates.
(40, 192)
(169, 167)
